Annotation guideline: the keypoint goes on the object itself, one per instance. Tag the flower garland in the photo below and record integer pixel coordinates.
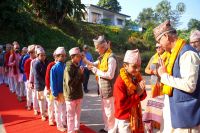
(131, 87)
(128, 82)
(136, 124)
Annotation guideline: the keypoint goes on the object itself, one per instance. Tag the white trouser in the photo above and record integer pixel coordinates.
(50, 104)
(187, 130)
(108, 114)
(17, 86)
(73, 115)
(11, 84)
(60, 113)
(6, 79)
(25, 85)
(122, 126)
(28, 94)
(166, 126)
(42, 102)
(35, 101)
(21, 89)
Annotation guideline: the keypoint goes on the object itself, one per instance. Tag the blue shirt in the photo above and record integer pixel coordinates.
(2, 59)
(23, 60)
(56, 78)
(88, 57)
(21, 65)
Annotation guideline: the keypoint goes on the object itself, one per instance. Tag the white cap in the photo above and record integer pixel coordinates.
(25, 49)
(31, 48)
(99, 40)
(158, 44)
(40, 51)
(59, 50)
(37, 46)
(74, 51)
(8, 45)
(15, 44)
(85, 46)
(194, 36)
(132, 57)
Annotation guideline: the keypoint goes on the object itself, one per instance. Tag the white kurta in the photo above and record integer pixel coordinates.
(189, 69)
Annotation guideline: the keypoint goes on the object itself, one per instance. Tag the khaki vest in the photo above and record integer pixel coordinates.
(107, 85)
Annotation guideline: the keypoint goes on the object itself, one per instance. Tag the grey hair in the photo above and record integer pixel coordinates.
(172, 34)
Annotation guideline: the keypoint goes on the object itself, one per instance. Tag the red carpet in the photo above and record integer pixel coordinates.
(17, 119)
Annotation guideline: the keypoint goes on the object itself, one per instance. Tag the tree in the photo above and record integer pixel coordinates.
(112, 5)
(194, 24)
(12, 14)
(147, 17)
(164, 12)
(58, 9)
(149, 38)
(78, 10)
(181, 7)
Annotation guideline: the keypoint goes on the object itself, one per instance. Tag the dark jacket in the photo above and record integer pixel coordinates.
(72, 83)
(39, 71)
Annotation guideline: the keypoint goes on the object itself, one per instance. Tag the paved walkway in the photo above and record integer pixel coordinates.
(91, 114)
(91, 109)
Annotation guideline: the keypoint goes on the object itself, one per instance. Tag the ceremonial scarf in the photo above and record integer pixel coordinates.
(136, 123)
(103, 61)
(156, 88)
(164, 56)
(170, 63)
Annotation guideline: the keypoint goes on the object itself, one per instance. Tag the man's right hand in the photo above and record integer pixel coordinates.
(48, 92)
(89, 66)
(31, 86)
(55, 98)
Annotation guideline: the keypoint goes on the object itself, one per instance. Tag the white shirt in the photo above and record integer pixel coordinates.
(108, 74)
(189, 68)
(111, 69)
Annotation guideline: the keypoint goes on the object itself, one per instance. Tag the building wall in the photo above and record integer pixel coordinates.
(92, 10)
(117, 19)
(120, 17)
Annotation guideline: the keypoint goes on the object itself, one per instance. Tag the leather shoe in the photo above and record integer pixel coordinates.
(103, 131)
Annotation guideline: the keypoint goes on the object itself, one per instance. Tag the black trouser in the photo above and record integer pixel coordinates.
(86, 78)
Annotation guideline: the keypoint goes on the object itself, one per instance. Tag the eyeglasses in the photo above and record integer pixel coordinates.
(42, 55)
(158, 47)
(158, 41)
(194, 42)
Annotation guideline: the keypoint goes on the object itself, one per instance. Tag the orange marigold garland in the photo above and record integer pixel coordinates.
(136, 123)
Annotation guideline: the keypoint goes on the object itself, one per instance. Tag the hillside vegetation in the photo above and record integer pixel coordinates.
(20, 22)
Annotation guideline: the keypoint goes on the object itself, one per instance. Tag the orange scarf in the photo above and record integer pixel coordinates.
(136, 123)
(170, 63)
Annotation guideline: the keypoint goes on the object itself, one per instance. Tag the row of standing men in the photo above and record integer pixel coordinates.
(121, 107)
(28, 74)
